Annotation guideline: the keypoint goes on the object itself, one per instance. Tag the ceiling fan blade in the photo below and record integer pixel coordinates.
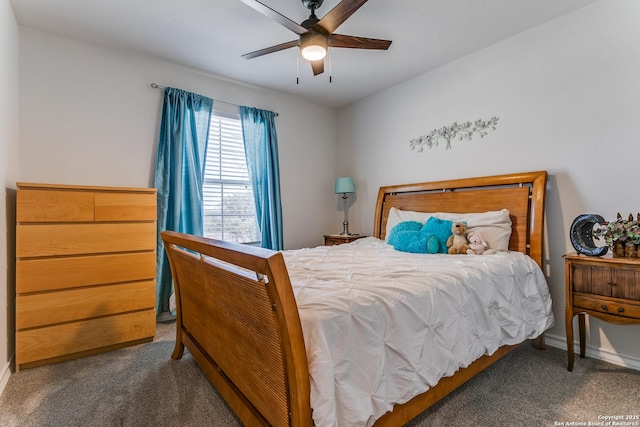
(317, 67)
(355, 42)
(276, 48)
(281, 19)
(336, 16)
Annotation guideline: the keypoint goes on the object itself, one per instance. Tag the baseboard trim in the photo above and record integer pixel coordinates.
(608, 356)
(4, 376)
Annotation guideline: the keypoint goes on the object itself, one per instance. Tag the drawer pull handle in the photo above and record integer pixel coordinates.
(604, 307)
(621, 310)
(611, 283)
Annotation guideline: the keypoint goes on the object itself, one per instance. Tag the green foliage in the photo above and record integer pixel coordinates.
(619, 230)
(234, 220)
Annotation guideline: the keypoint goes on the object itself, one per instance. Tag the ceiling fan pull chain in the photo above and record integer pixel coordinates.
(330, 63)
(298, 67)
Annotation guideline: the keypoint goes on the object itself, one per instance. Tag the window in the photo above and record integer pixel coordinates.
(229, 209)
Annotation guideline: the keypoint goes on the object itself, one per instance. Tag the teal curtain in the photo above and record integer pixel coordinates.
(261, 150)
(182, 145)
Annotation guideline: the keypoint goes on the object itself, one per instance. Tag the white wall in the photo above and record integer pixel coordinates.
(567, 95)
(89, 116)
(8, 174)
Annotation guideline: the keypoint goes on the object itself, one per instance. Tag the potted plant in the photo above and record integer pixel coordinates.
(633, 238)
(621, 235)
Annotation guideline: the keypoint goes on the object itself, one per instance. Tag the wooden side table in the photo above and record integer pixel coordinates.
(604, 287)
(338, 239)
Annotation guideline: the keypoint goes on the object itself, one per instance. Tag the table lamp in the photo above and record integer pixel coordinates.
(343, 186)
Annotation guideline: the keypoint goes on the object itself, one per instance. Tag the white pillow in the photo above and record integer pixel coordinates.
(397, 216)
(493, 226)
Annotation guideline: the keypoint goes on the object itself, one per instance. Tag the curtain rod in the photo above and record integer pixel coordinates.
(157, 86)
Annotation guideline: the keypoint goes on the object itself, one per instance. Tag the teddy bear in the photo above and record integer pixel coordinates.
(457, 242)
(477, 245)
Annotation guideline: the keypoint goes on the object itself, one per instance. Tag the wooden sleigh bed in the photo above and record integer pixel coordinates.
(238, 317)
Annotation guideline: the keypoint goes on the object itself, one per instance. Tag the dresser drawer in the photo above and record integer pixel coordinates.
(50, 308)
(70, 338)
(54, 206)
(610, 306)
(37, 240)
(608, 280)
(125, 207)
(49, 274)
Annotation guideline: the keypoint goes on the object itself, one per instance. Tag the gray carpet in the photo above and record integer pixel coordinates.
(142, 386)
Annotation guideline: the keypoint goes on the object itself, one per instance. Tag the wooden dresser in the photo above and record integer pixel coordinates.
(604, 287)
(85, 270)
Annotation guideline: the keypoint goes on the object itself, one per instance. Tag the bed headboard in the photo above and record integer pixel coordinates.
(523, 194)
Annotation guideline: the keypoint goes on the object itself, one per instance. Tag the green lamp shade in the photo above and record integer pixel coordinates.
(344, 185)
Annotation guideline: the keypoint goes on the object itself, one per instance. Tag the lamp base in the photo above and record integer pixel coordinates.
(345, 223)
(345, 228)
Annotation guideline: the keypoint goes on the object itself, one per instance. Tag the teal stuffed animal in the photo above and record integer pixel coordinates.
(441, 229)
(414, 237)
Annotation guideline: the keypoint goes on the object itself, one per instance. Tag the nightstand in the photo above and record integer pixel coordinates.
(338, 239)
(604, 287)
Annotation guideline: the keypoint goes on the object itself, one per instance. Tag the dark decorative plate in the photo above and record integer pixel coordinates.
(581, 235)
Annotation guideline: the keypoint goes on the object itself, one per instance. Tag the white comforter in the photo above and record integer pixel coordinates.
(381, 326)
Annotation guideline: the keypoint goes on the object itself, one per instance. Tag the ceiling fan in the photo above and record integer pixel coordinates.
(316, 35)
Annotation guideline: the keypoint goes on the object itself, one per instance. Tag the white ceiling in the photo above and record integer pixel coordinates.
(211, 35)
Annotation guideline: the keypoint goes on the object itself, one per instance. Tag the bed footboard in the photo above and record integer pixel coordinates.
(237, 316)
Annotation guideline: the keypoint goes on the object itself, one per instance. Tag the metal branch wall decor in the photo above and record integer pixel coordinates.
(456, 130)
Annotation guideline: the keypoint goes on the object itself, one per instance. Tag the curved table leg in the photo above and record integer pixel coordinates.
(569, 329)
(581, 331)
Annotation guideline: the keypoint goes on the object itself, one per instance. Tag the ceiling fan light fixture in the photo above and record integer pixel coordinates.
(316, 35)
(313, 46)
